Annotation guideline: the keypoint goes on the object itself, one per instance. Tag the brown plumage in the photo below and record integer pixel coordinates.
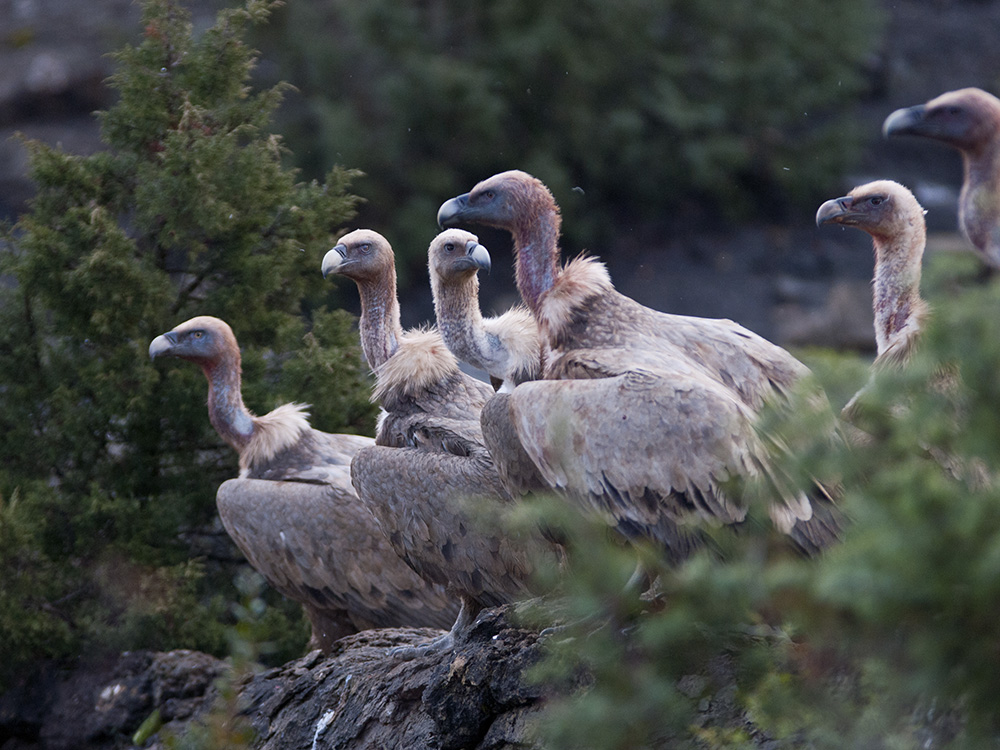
(429, 462)
(641, 415)
(505, 346)
(968, 120)
(293, 511)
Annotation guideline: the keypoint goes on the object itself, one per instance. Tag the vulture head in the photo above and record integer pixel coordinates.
(968, 119)
(203, 340)
(363, 256)
(501, 201)
(882, 209)
(456, 255)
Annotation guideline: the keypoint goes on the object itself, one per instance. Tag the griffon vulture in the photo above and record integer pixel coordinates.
(429, 461)
(293, 511)
(969, 120)
(641, 415)
(892, 216)
(506, 346)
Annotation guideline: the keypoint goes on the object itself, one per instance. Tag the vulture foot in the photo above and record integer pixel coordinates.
(441, 644)
(444, 643)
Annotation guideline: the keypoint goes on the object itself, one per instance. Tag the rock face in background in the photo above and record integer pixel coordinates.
(53, 61)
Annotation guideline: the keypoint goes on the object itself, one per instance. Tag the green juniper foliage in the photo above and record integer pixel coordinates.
(645, 105)
(109, 464)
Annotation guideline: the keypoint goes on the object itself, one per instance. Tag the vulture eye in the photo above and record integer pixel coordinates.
(198, 334)
(954, 110)
(366, 247)
(876, 200)
(489, 194)
(449, 247)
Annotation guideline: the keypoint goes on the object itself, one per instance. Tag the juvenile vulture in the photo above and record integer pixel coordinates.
(293, 511)
(506, 346)
(429, 461)
(969, 120)
(642, 416)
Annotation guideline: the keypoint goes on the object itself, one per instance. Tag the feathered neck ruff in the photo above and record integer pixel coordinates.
(576, 284)
(273, 433)
(256, 439)
(421, 361)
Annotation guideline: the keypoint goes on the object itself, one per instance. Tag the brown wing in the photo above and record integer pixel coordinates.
(427, 503)
(318, 545)
(752, 367)
(518, 473)
(641, 446)
(654, 445)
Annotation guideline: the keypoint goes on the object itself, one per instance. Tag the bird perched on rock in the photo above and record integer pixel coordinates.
(968, 120)
(640, 416)
(429, 461)
(293, 512)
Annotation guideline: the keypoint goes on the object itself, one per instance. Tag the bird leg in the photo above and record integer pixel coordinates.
(442, 644)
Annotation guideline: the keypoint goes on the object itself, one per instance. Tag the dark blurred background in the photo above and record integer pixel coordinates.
(688, 143)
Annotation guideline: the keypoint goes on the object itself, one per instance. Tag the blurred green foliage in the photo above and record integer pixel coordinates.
(887, 640)
(109, 464)
(649, 108)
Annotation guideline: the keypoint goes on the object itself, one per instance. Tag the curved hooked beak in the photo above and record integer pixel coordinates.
(451, 211)
(334, 260)
(903, 121)
(835, 210)
(162, 344)
(478, 254)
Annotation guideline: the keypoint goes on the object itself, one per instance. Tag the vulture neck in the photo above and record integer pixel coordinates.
(979, 204)
(230, 418)
(456, 307)
(898, 307)
(379, 325)
(536, 250)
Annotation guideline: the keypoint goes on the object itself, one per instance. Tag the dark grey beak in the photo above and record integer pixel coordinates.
(904, 121)
(451, 211)
(478, 254)
(162, 344)
(834, 209)
(334, 259)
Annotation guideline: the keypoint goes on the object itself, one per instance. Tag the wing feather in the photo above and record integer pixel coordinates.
(318, 545)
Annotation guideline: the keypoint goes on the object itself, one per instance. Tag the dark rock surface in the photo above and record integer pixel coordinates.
(358, 698)
(100, 706)
(474, 697)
